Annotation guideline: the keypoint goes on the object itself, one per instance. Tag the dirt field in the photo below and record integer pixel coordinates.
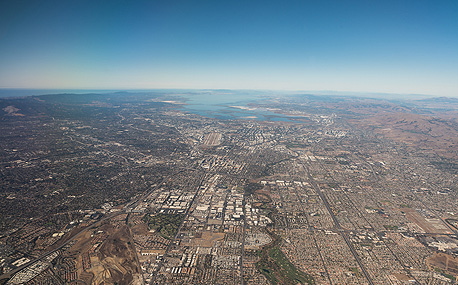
(141, 229)
(118, 258)
(105, 256)
(207, 239)
(443, 261)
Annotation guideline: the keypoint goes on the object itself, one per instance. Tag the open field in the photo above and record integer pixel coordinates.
(444, 263)
(208, 239)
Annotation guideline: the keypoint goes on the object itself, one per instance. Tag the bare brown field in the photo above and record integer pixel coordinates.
(110, 260)
(118, 257)
(443, 261)
(141, 229)
(402, 276)
(208, 239)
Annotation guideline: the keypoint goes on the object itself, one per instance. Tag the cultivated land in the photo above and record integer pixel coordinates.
(134, 188)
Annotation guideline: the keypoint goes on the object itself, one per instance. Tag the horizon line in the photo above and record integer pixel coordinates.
(322, 91)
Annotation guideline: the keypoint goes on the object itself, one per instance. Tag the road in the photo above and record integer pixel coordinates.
(313, 235)
(129, 206)
(93, 226)
(337, 226)
(161, 262)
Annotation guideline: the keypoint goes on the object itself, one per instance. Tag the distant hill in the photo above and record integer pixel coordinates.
(423, 132)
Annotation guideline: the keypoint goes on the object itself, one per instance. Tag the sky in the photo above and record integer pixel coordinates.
(393, 46)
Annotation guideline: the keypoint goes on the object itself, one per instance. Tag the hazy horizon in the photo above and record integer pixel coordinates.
(25, 92)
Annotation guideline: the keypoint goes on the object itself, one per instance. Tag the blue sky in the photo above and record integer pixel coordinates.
(375, 46)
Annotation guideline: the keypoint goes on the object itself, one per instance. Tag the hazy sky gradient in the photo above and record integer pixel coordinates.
(377, 46)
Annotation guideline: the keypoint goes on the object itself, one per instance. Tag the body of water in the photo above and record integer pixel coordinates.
(230, 106)
(225, 105)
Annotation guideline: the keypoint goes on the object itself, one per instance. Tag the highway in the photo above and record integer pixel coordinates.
(337, 226)
(313, 236)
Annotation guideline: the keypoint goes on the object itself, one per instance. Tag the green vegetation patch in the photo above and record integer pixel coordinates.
(165, 224)
(250, 188)
(390, 227)
(355, 271)
(446, 275)
(277, 268)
